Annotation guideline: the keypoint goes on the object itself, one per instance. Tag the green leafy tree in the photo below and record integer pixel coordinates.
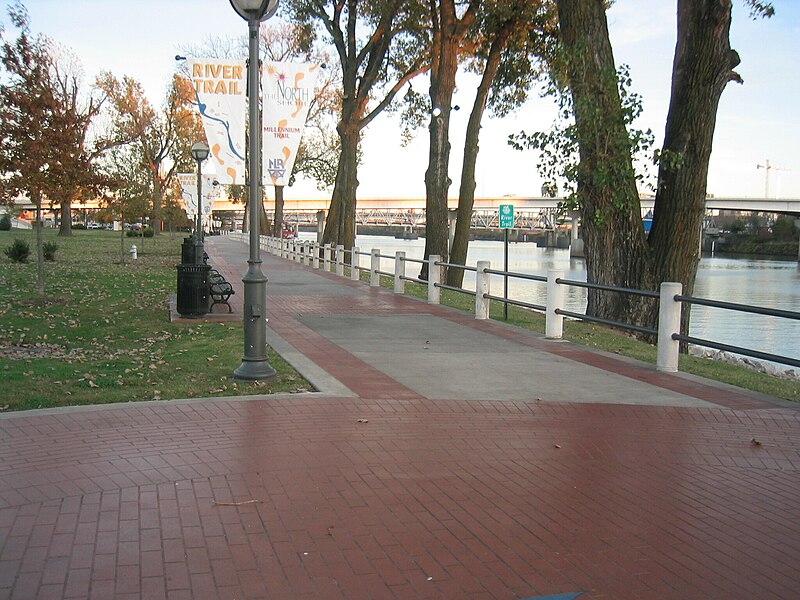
(362, 33)
(510, 38)
(618, 251)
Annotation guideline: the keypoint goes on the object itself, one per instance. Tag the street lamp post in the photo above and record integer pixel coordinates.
(254, 362)
(199, 152)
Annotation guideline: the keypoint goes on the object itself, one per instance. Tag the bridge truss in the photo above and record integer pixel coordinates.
(538, 219)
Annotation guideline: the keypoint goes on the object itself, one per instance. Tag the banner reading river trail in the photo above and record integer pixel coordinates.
(288, 90)
(220, 89)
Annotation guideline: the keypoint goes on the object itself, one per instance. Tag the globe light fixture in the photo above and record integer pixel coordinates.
(254, 362)
(259, 10)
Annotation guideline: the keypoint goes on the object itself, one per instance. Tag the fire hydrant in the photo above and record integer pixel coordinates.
(133, 252)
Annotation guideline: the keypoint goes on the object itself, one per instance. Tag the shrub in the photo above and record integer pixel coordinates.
(5, 223)
(19, 251)
(49, 249)
(783, 229)
(78, 226)
(146, 232)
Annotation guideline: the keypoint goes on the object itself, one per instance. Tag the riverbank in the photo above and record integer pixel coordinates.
(749, 245)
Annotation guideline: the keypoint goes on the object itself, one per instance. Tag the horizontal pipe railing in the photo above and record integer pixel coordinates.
(747, 308)
(671, 300)
(736, 350)
(607, 288)
(601, 320)
(457, 266)
(454, 288)
(539, 307)
(414, 279)
(527, 276)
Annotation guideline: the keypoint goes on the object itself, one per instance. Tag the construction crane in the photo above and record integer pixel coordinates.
(767, 168)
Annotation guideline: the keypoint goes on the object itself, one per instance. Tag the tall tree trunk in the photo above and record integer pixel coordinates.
(122, 238)
(340, 227)
(39, 225)
(437, 179)
(65, 226)
(466, 192)
(264, 226)
(702, 67)
(277, 226)
(616, 251)
(158, 197)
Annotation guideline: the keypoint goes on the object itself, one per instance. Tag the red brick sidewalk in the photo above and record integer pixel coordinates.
(425, 500)
(391, 495)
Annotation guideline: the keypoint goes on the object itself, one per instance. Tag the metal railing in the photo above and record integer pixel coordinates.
(670, 298)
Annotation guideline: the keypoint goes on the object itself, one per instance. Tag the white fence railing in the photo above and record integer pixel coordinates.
(669, 296)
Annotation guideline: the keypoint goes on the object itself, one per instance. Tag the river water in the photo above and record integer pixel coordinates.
(756, 281)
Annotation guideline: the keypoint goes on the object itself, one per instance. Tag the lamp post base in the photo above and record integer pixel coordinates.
(254, 362)
(254, 369)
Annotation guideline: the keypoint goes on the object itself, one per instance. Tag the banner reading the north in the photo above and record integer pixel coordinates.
(219, 87)
(288, 90)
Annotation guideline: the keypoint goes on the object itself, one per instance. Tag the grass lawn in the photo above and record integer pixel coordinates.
(103, 333)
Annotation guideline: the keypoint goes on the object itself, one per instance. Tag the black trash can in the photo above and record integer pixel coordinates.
(193, 290)
(191, 252)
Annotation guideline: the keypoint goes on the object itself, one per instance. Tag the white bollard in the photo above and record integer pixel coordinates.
(374, 267)
(482, 287)
(399, 272)
(669, 322)
(434, 277)
(355, 261)
(315, 250)
(340, 260)
(554, 323)
(134, 252)
(326, 257)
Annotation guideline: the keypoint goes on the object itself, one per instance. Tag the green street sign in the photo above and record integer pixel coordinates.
(506, 216)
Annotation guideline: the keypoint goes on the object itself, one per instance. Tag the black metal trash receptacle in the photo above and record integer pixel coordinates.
(191, 252)
(193, 290)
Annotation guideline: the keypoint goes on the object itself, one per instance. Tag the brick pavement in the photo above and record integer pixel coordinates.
(391, 494)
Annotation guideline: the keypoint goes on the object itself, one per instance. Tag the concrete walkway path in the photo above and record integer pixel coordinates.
(442, 457)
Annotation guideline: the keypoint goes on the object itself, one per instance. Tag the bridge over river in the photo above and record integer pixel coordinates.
(530, 213)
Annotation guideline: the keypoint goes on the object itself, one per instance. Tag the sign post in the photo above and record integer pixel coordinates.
(506, 221)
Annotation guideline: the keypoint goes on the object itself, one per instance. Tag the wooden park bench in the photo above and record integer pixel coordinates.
(219, 289)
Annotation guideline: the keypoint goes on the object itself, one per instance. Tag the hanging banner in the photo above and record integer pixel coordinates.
(220, 87)
(210, 191)
(188, 183)
(288, 89)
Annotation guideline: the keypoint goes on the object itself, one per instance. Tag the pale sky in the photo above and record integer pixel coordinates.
(757, 121)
